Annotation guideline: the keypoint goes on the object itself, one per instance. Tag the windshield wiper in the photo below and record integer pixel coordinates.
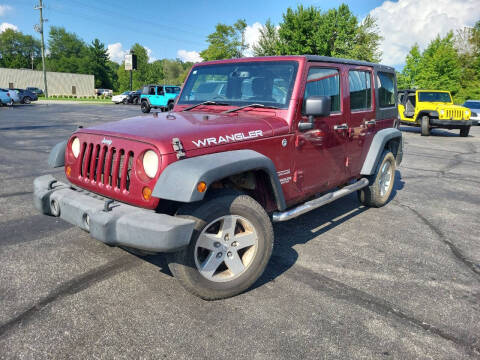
(249, 105)
(208, 102)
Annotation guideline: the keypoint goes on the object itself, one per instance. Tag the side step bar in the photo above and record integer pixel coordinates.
(316, 203)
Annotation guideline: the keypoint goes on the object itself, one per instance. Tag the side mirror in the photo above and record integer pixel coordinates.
(315, 106)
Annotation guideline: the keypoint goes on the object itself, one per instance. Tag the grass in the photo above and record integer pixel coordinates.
(82, 99)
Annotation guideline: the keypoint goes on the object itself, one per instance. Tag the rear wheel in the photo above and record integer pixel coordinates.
(170, 106)
(380, 183)
(425, 126)
(125, 101)
(230, 247)
(465, 131)
(27, 100)
(145, 107)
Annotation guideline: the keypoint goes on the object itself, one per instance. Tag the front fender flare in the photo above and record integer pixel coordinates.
(57, 155)
(377, 146)
(178, 182)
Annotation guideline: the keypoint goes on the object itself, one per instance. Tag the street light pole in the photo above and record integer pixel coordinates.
(40, 30)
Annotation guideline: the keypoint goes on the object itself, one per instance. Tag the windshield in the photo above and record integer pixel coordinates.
(269, 83)
(426, 96)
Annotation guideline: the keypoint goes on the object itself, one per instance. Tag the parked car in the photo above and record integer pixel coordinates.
(35, 90)
(14, 95)
(104, 92)
(429, 109)
(134, 97)
(474, 106)
(121, 98)
(158, 97)
(26, 96)
(204, 182)
(5, 98)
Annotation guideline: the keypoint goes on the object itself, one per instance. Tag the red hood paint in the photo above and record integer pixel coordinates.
(159, 129)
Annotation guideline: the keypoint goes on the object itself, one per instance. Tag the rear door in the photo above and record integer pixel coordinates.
(320, 152)
(361, 120)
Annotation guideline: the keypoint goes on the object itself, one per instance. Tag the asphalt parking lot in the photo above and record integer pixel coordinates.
(347, 282)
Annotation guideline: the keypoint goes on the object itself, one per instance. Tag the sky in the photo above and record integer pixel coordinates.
(178, 29)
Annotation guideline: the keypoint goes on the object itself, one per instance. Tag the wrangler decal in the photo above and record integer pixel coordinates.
(225, 139)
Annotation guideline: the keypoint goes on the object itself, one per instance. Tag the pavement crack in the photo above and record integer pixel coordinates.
(72, 287)
(15, 194)
(341, 291)
(453, 248)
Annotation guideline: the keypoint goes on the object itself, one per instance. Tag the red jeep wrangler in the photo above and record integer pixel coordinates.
(249, 141)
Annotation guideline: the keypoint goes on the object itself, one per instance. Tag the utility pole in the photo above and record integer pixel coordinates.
(39, 28)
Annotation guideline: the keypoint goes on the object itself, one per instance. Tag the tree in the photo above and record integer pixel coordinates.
(226, 42)
(67, 52)
(98, 62)
(268, 42)
(17, 50)
(298, 31)
(408, 77)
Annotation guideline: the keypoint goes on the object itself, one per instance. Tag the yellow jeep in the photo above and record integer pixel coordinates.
(432, 109)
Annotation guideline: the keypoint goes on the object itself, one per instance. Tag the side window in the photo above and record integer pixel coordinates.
(360, 90)
(160, 90)
(151, 91)
(386, 89)
(324, 82)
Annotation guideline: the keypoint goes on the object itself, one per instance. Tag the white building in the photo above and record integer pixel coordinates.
(58, 83)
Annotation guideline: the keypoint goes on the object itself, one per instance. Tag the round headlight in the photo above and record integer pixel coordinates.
(466, 112)
(442, 112)
(150, 163)
(76, 147)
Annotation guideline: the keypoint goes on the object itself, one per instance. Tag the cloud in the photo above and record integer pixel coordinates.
(252, 34)
(4, 9)
(406, 22)
(116, 52)
(189, 56)
(4, 26)
(149, 54)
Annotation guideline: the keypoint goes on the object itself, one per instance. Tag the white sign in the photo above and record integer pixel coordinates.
(128, 62)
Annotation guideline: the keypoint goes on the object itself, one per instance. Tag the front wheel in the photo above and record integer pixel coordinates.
(170, 106)
(145, 107)
(465, 131)
(425, 126)
(27, 100)
(230, 247)
(380, 183)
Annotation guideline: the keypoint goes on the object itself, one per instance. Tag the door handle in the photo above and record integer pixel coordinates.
(370, 122)
(340, 127)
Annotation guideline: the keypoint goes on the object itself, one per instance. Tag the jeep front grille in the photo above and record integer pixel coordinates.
(105, 165)
(454, 114)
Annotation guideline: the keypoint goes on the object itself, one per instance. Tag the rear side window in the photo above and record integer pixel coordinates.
(151, 91)
(386, 89)
(324, 82)
(360, 90)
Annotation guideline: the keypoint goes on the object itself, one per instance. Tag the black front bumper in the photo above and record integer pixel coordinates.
(456, 124)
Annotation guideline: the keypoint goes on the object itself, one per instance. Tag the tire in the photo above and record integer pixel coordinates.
(425, 123)
(170, 106)
(27, 100)
(135, 101)
(125, 101)
(219, 271)
(381, 183)
(464, 131)
(145, 107)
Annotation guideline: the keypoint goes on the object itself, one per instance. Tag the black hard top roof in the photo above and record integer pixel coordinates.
(349, 62)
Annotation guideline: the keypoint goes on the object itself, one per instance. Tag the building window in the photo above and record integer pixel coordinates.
(324, 82)
(360, 90)
(10, 85)
(74, 90)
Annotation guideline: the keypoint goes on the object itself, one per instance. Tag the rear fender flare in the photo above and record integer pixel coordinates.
(178, 182)
(379, 142)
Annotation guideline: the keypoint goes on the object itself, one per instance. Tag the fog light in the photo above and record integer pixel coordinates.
(68, 170)
(146, 193)
(201, 187)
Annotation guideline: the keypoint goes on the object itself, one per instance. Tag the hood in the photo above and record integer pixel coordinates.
(195, 130)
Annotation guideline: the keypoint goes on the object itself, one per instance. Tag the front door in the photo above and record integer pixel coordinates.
(320, 152)
(361, 116)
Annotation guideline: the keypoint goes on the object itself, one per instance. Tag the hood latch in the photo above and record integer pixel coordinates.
(178, 148)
